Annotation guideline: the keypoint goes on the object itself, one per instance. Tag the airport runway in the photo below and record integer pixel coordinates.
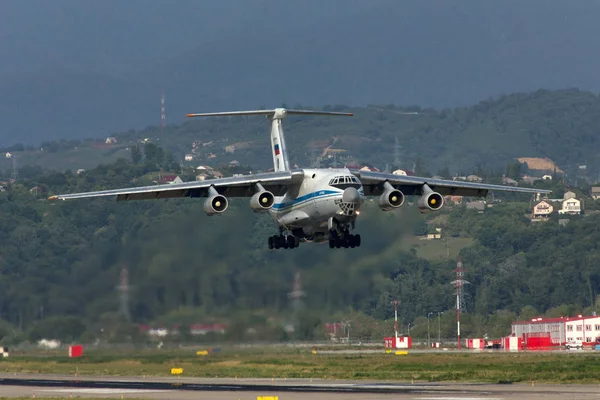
(292, 389)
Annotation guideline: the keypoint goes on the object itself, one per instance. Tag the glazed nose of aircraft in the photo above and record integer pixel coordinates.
(351, 195)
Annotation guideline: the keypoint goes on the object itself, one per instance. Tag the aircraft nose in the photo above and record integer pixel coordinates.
(351, 195)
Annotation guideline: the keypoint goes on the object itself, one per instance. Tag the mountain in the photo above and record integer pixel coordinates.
(562, 125)
(235, 55)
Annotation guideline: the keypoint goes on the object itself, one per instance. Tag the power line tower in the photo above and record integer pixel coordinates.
(458, 283)
(296, 294)
(398, 153)
(124, 292)
(395, 303)
(163, 116)
(15, 170)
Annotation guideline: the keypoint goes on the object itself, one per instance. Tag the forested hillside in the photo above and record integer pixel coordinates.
(562, 125)
(60, 262)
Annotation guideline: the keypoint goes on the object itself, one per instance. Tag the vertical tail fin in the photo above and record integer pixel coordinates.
(280, 156)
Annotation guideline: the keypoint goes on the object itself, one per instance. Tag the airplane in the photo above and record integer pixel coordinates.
(308, 204)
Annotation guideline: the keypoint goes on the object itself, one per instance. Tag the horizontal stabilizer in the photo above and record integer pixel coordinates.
(276, 113)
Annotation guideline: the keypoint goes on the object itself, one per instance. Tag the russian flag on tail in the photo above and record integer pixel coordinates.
(277, 150)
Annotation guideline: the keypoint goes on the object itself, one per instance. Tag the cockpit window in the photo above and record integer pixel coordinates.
(345, 181)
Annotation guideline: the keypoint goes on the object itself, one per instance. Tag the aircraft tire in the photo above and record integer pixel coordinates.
(291, 242)
(357, 240)
(270, 241)
(284, 242)
(352, 241)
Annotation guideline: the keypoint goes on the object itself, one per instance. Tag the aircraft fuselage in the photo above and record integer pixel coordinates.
(324, 196)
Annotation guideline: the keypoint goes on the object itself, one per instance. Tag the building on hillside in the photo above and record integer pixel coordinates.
(569, 195)
(595, 192)
(479, 206)
(162, 179)
(543, 209)
(403, 172)
(509, 181)
(188, 157)
(449, 199)
(571, 206)
(547, 177)
(529, 179)
(583, 329)
(201, 177)
(111, 140)
(474, 178)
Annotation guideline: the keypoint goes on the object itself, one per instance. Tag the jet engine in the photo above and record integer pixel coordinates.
(262, 200)
(430, 200)
(391, 198)
(215, 204)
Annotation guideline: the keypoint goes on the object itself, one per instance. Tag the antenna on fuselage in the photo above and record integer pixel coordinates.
(278, 148)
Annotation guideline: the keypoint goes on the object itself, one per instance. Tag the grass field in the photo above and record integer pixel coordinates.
(287, 363)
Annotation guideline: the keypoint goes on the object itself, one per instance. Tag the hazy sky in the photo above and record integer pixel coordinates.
(77, 61)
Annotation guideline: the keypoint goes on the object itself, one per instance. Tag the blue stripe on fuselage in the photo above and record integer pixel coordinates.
(306, 197)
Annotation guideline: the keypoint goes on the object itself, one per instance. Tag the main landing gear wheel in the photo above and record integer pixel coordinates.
(347, 240)
(283, 241)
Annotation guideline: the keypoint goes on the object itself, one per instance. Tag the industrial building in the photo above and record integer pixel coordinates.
(545, 332)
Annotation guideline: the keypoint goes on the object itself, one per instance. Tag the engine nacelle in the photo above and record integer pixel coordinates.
(390, 199)
(262, 201)
(215, 204)
(431, 201)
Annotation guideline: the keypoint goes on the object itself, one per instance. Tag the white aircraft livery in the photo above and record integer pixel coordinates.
(309, 205)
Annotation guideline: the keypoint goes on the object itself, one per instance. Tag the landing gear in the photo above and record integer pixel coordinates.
(345, 240)
(283, 241)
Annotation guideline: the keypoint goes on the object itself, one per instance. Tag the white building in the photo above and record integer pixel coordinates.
(583, 329)
(542, 210)
(571, 206)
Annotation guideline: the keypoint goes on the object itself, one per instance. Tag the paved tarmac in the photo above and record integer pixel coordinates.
(42, 386)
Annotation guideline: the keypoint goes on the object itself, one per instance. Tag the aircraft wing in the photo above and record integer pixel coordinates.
(238, 186)
(411, 185)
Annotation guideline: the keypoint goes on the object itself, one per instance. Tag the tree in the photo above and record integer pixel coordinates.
(136, 154)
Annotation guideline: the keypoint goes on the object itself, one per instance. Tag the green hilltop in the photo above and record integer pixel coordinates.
(561, 125)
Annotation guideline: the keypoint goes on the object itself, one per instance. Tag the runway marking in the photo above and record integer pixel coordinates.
(457, 398)
(104, 391)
